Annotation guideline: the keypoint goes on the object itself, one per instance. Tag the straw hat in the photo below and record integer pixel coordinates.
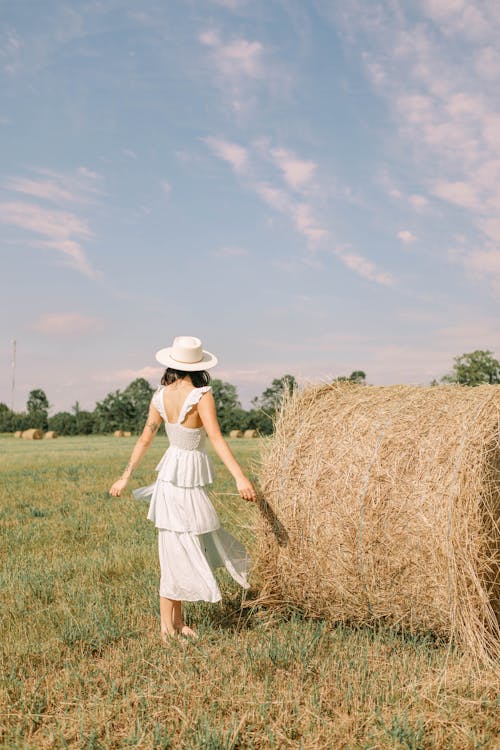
(187, 354)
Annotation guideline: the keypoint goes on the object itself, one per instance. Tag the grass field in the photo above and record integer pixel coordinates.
(82, 663)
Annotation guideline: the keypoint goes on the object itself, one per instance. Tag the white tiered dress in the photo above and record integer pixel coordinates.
(191, 542)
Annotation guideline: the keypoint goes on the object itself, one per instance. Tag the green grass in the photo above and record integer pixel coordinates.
(82, 665)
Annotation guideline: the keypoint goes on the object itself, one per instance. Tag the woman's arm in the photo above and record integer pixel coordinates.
(153, 422)
(208, 415)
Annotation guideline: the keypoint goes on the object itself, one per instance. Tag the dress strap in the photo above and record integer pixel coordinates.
(157, 402)
(192, 399)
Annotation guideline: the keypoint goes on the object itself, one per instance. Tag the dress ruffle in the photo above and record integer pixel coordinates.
(188, 561)
(182, 509)
(185, 468)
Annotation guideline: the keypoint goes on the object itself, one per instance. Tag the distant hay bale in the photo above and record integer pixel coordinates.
(251, 434)
(118, 433)
(32, 434)
(18, 433)
(236, 434)
(388, 501)
(51, 435)
(127, 434)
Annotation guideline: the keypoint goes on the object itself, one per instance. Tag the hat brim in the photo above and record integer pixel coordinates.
(164, 357)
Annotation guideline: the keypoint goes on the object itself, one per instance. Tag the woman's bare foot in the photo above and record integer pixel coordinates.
(188, 632)
(168, 635)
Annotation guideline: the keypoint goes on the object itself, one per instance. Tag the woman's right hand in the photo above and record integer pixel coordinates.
(246, 489)
(118, 487)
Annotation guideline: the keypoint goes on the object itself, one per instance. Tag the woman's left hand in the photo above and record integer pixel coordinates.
(246, 489)
(117, 487)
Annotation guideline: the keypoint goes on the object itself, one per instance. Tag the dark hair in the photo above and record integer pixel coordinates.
(199, 378)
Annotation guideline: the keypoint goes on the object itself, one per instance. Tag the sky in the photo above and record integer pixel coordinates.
(309, 186)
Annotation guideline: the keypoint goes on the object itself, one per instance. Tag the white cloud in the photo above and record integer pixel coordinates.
(57, 229)
(297, 172)
(239, 57)
(479, 262)
(447, 114)
(121, 377)
(67, 324)
(53, 228)
(365, 267)
(406, 236)
(418, 202)
(11, 46)
(81, 186)
(232, 153)
(166, 187)
(301, 214)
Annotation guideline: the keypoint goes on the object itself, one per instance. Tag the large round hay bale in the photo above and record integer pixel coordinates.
(127, 434)
(51, 435)
(387, 502)
(236, 434)
(251, 434)
(32, 434)
(18, 433)
(118, 433)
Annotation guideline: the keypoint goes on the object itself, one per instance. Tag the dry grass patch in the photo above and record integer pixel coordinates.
(81, 663)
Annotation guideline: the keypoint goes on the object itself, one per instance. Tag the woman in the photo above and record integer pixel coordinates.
(191, 543)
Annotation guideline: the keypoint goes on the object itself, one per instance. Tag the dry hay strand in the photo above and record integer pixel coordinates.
(251, 434)
(32, 434)
(118, 433)
(18, 433)
(236, 434)
(387, 500)
(127, 434)
(51, 435)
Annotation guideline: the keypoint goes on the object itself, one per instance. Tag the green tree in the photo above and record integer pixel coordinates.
(474, 368)
(271, 399)
(64, 423)
(228, 406)
(266, 406)
(6, 418)
(139, 392)
(124, 410)
(37, 407)
(114, 412)
(357, 376)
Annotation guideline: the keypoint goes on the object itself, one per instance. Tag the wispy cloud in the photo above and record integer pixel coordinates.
(166, 187)
(63, 324)
(237, 58)
(11, 46)
(300, 213)
(81, 186)
(243, 70)
(447, 114)
(123, 377)
(406, 236)
(365, 267)
(52, 228)
(232, 153)
(60, 231)
(296, 174)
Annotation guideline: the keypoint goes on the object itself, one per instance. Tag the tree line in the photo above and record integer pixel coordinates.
(127, 409)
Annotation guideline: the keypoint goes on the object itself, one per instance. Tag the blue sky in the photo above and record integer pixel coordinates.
(310, 187)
